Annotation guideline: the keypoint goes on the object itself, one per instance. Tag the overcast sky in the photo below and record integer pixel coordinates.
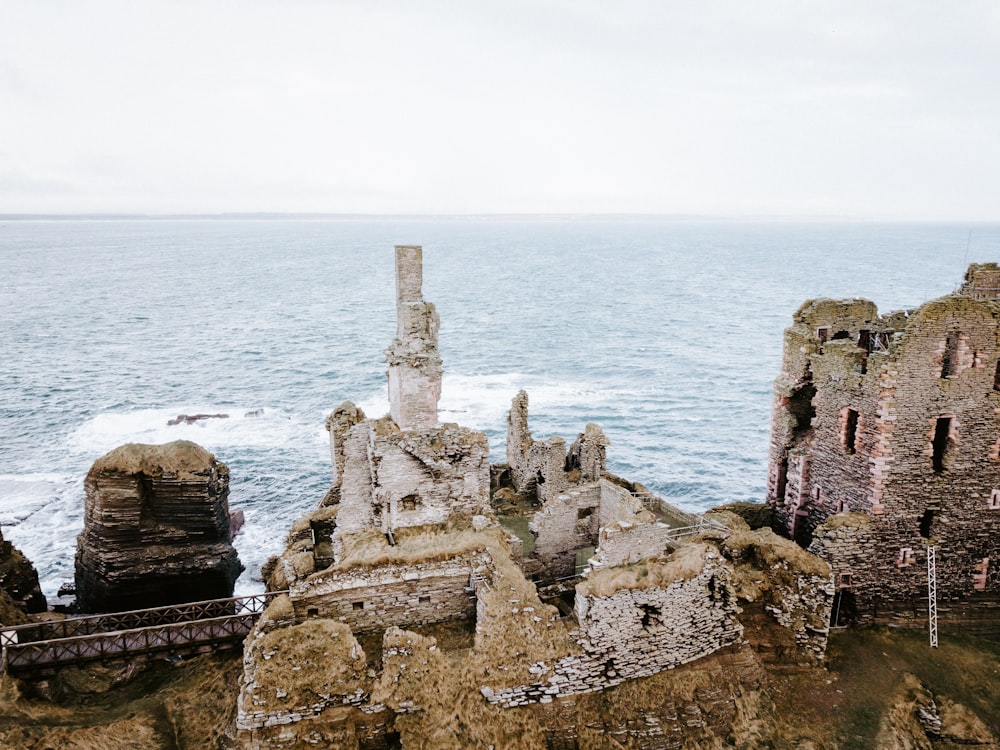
(842, 108)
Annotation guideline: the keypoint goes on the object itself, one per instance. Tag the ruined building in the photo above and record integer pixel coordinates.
(433, 600)
(885, 442)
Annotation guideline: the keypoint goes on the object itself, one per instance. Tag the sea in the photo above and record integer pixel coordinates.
(666, 332)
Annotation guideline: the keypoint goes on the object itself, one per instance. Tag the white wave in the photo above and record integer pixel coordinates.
(244, 427)
(27, 495)
(35, 478)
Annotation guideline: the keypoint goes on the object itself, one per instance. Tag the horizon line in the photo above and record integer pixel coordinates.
(559, 216)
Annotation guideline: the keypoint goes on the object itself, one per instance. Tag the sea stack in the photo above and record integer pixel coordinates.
(157, 529)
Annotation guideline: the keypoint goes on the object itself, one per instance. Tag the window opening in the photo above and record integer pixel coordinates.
(841, 335)
(840, 505)
(410, 502)
(425, 599)
(782, 481)
(996, 377)
(979, 577)
(850, 436)
(926, 521)
(822, 334)
(582, 513)
(312, 612)
(995, 500)
(865, 339)
(357, 605)
(650, 617)
(905, 558)
(949, 360)
(939, 445)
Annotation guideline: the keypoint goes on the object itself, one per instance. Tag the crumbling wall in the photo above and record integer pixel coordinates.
(635, 632)
(565, 523)
(588, 454)
(545, 467)
(405, 595)
(338, 424)
(982, 281)
(898, 419)
(394, 479)
(628, 542)
(414, 363)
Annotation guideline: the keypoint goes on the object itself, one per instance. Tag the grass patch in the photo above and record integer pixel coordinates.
(682, 565)
(867, 672)
(188, 707)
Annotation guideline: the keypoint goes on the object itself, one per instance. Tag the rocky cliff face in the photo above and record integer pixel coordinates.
(156, 529)
(19, 590)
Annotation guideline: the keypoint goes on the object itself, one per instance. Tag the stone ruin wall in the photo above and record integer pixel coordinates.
(414, 372)
(407, 596)
(939, 362)
(636, 633)
(602, 515)
(563, 525)
(394, 479)
(546, 467)
(628, 543)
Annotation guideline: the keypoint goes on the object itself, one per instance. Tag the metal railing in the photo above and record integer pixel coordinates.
(177, 627)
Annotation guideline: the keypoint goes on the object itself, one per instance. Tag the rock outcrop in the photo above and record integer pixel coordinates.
(157, 529)
(19, 589)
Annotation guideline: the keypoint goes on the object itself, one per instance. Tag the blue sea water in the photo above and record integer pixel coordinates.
(665, 332)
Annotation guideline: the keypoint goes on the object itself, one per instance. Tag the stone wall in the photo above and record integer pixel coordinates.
(896, 417)
(414, 363)
(338, 424)
(638, 632)
(404, 595)
(627, 542)
(394, 479)
(545, 468)
(565, 523)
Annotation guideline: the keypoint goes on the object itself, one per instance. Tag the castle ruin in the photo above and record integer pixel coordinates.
(544, 578)
(885, 442)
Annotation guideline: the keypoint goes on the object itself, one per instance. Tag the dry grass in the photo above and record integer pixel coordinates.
(10, 613)
(433, 543)
(452, 712)
(180, 457)
(191, 707)
(294, 665)
(766, 551)
(847, 706)
(517, 629)
(850, 520)
(682, 565)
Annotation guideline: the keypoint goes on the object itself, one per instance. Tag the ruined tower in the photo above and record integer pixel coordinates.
(885, 440)
(414, 363)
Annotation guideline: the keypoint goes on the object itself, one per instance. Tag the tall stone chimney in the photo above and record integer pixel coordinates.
(414, 363)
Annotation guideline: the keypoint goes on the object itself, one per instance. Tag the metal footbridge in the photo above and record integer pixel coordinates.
(177, 630)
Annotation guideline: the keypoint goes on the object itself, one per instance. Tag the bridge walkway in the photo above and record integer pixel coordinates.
(177, 629)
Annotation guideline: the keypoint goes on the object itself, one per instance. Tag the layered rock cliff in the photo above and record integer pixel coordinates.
(156, 529)
(19, 589)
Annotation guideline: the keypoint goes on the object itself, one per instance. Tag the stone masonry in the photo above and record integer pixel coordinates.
(885, 440)
(414, 363)
(545, 467)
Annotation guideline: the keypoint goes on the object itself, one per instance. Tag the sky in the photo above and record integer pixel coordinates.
(841, 109)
